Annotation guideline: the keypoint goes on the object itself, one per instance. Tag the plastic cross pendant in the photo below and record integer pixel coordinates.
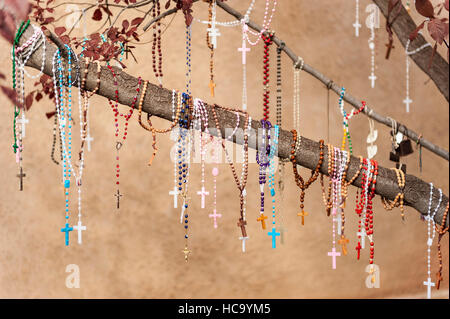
(372, 78)
(343, 242)
(175, 196)
(244, 51)
(89, 139)
(274, 235)
(303, 214)
(358, 248)
(244, 239)
(23, 120)
(79, 227)
(333, 254)
(262, 219)
(407, 101)
(215, 216)
(212, 85)
(203, 193)
(66, 230)
(429, 284)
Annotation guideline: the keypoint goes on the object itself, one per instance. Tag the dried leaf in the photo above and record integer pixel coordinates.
(11, 94)
(29, 100)
(415, 33)
(425, 8)
(39, 96)
(60, 30)
(446, 4)
(438, 29)
(125, 24)
(97, 15)
(137, 21)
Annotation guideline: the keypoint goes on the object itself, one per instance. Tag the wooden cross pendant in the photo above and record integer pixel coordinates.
(212, 85)
(21, 176)
(118, 195)
(241, 223)
(343, 242)
(262, 219)
(439, 278)
(389, 46)
(303, 214)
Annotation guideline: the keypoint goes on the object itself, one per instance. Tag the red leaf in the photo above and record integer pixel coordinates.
(10, 94)
(137, 21)
(446, 4)
(425, 8)
(438, 29)
(97, 15)
(168, 4)
(65, 39)
(50, 114)
(108, 12)
(29, 100)
(415, 33)
(60, 30)
(125, 24)
(2, 76)
(39, 96)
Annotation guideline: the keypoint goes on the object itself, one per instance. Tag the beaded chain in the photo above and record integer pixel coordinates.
(336, 178)
(156, 43)
(265, 25)
(371, 43)
(126, 116)
(211, 46)
(202, 117)
(399, 198)
(175, 192)
(244, 51)
(266, 77)
(188, 60)
(240, 183)
(430, 237)
(23, 26)
(441, 230)
(150, 127)
(361, 205)
(183, 150)
(263, 160)
(338, 197)
(346, 117)
(298, 178)
(273, 151)
(298, 66)
(234, 23)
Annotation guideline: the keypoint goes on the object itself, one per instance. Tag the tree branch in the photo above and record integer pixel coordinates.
(403, 26)
(416, 190)
(356, 103)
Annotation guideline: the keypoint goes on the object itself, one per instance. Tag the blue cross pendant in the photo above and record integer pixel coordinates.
(66, 230)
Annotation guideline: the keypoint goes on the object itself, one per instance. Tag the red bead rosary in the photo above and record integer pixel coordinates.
(127, 116)
(267, 42)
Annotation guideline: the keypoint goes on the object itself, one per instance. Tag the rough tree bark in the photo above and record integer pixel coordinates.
(403, 26)
(158, 102)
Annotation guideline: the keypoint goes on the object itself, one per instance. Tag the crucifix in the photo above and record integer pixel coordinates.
(212, 85)
(203, 193)
(389, 46)
(438, 279)
(262, 219)
(79, 227)
(407, 101)
(66, 230)
(303, 214)
(241, 223)
(118, 195)
(175, 194)
(21, 176)
(23, 120)
(215, 216)
(372, 78)
(429, 284)
(357, 26)
(338, 220)
(333, 254)
(244, 239)
(213, 33)
(362, 235)
(244, 51)
(358, 248)
(89, 139)
(186, 253)
(343, 242)
(274, 235)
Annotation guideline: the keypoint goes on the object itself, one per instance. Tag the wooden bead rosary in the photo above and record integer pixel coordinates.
(399, 199)
(298, 179)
